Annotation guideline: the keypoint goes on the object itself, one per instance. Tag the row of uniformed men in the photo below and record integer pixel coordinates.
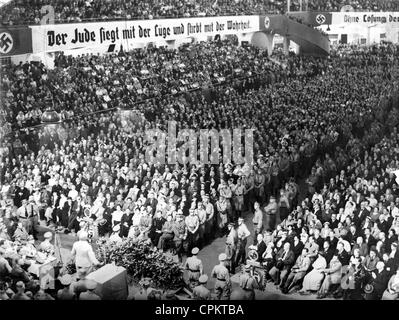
(223, 286)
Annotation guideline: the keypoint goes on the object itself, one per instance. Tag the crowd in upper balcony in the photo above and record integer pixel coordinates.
(28, 12)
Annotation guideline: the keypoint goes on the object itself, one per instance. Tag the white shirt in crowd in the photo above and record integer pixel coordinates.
(73, 194)
(242, 231)
(117, 216)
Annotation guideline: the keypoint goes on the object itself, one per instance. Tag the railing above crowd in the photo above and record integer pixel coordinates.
(22, 12)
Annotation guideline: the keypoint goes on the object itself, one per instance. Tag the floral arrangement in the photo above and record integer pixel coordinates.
(142, 260)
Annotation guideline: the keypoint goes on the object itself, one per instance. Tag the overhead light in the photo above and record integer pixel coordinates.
(50, 117)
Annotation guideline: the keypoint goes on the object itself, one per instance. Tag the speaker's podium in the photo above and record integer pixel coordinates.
(111, 282)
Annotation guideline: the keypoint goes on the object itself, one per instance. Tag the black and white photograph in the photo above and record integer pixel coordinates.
(219, 151)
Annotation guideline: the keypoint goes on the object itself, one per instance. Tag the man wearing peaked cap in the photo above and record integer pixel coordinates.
(222, 284)
(194, 267)
(231, 246)
(201, 292)
(248, 284)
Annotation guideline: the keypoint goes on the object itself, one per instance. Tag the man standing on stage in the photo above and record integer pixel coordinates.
(84, 256)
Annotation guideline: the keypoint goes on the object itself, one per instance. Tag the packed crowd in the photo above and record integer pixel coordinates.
(21, 12)
(91, 173)
(105, 82)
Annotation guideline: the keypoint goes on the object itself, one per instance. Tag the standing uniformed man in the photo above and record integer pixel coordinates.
(243, 234)
(201, 213)
(248, 284)
(210, 219)
(201, 292)
(257, 221)
(231, 247)
(192, 223)
(222, 284)
(194, 267)
(271, 211)
(180, 230)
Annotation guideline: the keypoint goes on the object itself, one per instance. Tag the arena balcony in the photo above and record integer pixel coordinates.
(16, 12)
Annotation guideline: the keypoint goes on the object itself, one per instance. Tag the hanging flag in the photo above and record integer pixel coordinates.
(15, 40)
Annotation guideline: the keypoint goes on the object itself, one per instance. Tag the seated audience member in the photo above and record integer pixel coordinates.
(314, 278)
(297, 273)
(332, 278)
(392, 291)
(375, 289)
(284, 262)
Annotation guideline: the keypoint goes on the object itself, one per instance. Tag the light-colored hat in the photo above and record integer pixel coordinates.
(47, 235)
(66, 279)
(195, 250)
(203, 279)
(222, 257)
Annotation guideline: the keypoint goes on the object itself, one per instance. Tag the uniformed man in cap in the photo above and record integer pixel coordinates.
(180, 232)
(192, 223)
(257, 220)
(91, 285)
(231, 246)
(194, 267)
(271, 211)
(201, 213)
(248, 284)
(222, 283)
(167, 233)
(210, 218)
(201, 292)
(32, 213)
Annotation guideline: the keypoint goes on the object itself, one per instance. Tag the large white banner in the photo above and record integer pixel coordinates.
(61, 37)
(356, 18)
